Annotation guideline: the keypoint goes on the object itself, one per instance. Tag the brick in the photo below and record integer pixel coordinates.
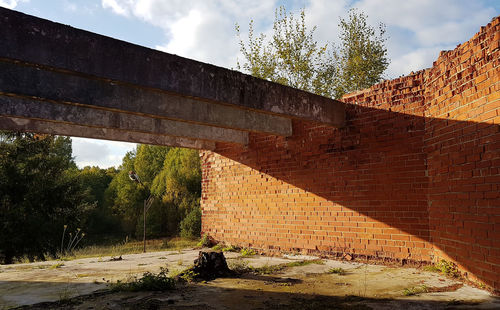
(415, 173)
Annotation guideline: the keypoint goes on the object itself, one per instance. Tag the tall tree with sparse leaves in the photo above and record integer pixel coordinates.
(293, 57)
(362, 56)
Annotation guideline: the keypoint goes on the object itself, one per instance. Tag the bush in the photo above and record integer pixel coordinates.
(148, 282)
(191, 224)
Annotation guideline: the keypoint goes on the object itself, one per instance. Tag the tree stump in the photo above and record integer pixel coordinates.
(210, 265)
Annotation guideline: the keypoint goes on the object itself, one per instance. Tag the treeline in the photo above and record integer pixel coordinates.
(43, 193)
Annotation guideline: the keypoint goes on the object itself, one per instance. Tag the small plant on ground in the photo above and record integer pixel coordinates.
(148, 282)
(305, 263)
(338, 270)
(444, 267)
(56, 266)
(188, 275)
(205, 241)
(238, 266)
(245, 252)
(230, 248)
(415, 290)
(269, 269)
(218, 247)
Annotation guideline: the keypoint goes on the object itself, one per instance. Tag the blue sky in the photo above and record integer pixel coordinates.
(204, 30)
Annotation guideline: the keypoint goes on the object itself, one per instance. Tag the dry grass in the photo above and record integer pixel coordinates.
(130, 247)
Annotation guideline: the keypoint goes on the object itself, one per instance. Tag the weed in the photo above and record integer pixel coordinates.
(205, 241)
(56, 266)
(141, 264)
(340, 271)
(269, 269)
(444, 267)
(162, 257)
(245, 252)
(415, 290)
(239, 266)
(305, 263)
(218, 247)
(148, 282)
(188, 275)
(179, 262)
(231, 248)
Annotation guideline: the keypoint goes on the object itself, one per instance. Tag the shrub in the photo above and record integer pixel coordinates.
(191, 224)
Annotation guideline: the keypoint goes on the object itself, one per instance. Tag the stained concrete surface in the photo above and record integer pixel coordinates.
(363, 286)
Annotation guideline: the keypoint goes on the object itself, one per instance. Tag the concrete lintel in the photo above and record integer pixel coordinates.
(29, 80)
(56, 112)
(38, 126)
(34, 40)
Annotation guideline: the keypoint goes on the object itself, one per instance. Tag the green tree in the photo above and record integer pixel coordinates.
(100, 222)
(38, 194)
(124, 198)
(362, 56)
(292, 56)
(179, 186)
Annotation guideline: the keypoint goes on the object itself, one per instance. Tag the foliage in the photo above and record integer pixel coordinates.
(444, 267)
(338, 270)
(245, 252)
(293, 57)
(362, 56)
(38, 194)
(101, 221)
(191, 224)
(411, 291)
(173, 176)
(148, 282)
(205, 241)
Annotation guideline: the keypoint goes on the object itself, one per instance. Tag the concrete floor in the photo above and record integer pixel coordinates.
(363, 286)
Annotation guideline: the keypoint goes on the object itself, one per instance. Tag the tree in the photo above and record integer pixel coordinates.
(100, 222)
(38, 194)
(362, 56)
(292, 57)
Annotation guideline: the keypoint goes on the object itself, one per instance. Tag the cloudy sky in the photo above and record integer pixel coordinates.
(204, 30)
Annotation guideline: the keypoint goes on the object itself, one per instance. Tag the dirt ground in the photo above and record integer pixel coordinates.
(82, 284)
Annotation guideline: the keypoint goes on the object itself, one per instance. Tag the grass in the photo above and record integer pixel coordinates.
(340, 271)
(444, 267)
(129, 247)
(225, 248)
(148, 282)
(240, 266)
(415, 290)
(246, 252)
(56, 266)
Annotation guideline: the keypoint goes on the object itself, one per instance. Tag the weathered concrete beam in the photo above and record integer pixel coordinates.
(39, 126)
(29, 80)
(34, 40)
(31, 108)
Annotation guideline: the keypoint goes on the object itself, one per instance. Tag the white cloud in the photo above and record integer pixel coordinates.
(204, 30)
(116, 6)
(10, 4)
(92, 152)
(419, 29)
(197, 29)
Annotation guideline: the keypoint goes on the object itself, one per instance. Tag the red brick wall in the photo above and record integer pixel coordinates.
(413, 176)
(462, 143)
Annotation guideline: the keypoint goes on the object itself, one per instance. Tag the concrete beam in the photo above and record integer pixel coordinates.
(48, 44)
(30, 108)
(39, 126)
(29, 80)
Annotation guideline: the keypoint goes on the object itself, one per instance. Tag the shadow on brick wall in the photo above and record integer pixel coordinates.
(388, 185)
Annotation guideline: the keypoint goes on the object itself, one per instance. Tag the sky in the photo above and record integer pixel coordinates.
(204, 30)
